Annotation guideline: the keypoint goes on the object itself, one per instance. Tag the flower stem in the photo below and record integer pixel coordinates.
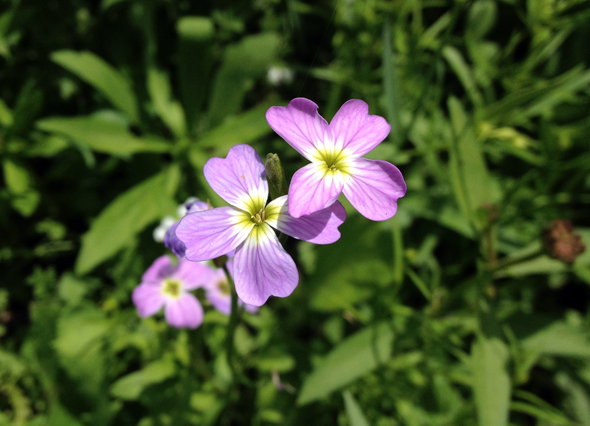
(506, 262)
(234, 319)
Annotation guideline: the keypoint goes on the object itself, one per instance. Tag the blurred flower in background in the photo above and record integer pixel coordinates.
(165, 285)
(279, 76)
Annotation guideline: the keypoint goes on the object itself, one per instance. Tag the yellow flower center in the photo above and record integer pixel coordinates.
(223, 287)
(171, 288)
(334, 159)
(259, 217)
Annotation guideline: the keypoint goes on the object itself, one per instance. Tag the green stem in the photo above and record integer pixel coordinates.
(507, 262)
(398, 252)
(234, 319)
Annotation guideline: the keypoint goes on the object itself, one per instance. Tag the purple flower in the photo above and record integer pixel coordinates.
(218, 291)
(170, 239)
(166, 285)
(262, 268)
(335, 151)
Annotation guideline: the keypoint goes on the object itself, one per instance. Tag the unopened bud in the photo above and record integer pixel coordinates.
(220, 261)
(561, 242)
(275, 175)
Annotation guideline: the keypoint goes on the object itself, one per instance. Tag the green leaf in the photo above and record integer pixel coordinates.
(102, 76)
(108, 3)
(349, 276)
(24, 198)
(350, 360)
(169, 110)
(276, 361)
(578, 398)
(71, 289)
(11, 365)
(539, 97)
(132, 385)
(195, 62)
(127, 215)
(6, 117)
(481, 18)
(59, 416)
(354, 411)
(491, 382)
(549, 417)
(242, 63)
(244, 128)
(559, 338)
(463, 72)
(102, 135)
(16, 176)
(469, 173)
(27, 108)
(391, 84)
(79, 344)
(70, 342)
(350, 284)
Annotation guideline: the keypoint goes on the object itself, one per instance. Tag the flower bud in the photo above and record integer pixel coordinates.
(275, 175)
(561, 242)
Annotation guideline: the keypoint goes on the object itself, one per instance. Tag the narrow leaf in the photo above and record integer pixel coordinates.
(354, 411)
(102, 135)
(242, 63)
(127, 215)
(130, 386)
(102, 76)
(469, 173)
(350, 360)
(491, 382)
(169, 110)
(391, 84)
(195, 62)
(559, 338)
(463, 72)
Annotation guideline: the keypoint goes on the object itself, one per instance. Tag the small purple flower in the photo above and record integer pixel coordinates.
(262, 268)
(170, 239)
(337, 166)
(218, 291)
(166, 285)
(160, 231)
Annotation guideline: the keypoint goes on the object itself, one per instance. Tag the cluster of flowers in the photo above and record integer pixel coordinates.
(259, 265)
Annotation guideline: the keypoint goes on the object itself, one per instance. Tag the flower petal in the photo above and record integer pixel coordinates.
(262, 268)
(220, 301)
(300, 125)
(320, 227)
(194, 274)
(160, 231)
(172, 242)
(160, 269)
(239, 178)
(186, 311)
(196, 205)
(148, 299)
(251, 309)
(213, 233)
(375, 188)
(314, 187)
(357, 131)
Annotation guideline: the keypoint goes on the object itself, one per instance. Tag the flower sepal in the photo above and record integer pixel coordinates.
(277, 184)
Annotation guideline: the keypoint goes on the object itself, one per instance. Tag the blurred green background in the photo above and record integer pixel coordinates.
(451, 313)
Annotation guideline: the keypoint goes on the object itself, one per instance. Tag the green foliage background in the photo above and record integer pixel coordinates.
(448, 314)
